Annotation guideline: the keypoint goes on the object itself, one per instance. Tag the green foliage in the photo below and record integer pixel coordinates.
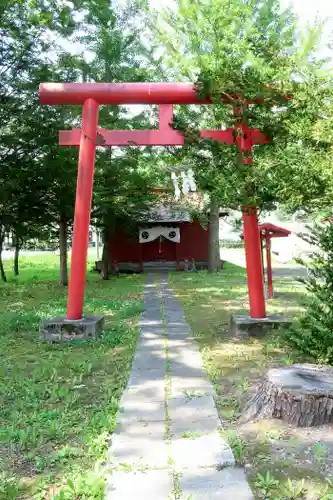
(313, 334)
(90, 486)
(237, 444)
(254, 50)
(267, 485)
(58, 403)
(293, 490)
(9, 486)
(320, 451)
(53, 41)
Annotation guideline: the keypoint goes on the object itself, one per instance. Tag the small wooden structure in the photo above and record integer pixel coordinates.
(165, 239)
(267, 232)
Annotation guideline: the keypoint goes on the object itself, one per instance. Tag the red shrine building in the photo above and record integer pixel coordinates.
(167, 238)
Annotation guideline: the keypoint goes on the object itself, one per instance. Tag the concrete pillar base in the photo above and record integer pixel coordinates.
(245, 326)
(61, 329)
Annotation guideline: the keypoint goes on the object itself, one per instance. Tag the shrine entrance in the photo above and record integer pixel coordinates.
(91, 96)
(159, 250)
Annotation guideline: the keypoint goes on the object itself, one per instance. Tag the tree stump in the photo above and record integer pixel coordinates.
(300, 395)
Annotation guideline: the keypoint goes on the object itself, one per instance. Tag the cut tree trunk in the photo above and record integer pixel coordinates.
(63, 252)
(214, 259)
(300, 395)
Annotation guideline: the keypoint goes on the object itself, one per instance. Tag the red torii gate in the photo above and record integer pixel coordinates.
(91, 96)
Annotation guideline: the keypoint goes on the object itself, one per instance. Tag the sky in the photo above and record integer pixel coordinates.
(308, 10)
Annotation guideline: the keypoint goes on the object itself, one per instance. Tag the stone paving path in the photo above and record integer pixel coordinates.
(167, 445)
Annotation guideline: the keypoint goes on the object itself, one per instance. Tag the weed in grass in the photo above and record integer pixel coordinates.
(293, 490)
(55, 431)
(177, 491)
(9, 487)
(320, 451)
(266, 485)
(28, 438)
(190, 435)
(286, 360)
(262, 458)
(68, 451)
(237, 445)
(39, 464)
(274, 434)
(328, 490)
(243, 384)
(90, 486)
(192, 394)
(228, 401)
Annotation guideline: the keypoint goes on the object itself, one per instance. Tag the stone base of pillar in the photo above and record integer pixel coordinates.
(61, 329)
(245, 326)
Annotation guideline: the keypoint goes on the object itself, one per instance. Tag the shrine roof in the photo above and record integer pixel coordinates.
(273, 230)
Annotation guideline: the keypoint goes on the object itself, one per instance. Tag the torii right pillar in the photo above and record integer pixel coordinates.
(257, 323)
(253, 255)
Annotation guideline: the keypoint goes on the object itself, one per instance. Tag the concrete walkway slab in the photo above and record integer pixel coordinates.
(209, 484)
(193, 415)
(167, 418)
(134, 410)
(208, 450)
(151, 484)
(140, 442)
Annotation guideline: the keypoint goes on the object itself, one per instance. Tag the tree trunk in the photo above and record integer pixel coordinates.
(2, 270)
(16, 256)
(105, 256)
(214, 259)
(97, 244)
(63, 252)
(300, 395)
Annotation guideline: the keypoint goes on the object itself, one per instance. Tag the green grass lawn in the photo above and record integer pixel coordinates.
(58, 402)
(271, 452)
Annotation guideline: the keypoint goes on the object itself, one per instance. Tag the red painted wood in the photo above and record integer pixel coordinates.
(193, 244)
(177, 258)
(165, 116)
(82, 210)
(273, 230)
(125, 93)
(269, 267)
(140, 257)
(165, 137)
(254, 263)
(164, 94)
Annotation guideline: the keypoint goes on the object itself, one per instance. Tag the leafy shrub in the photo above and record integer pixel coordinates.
(313, 334)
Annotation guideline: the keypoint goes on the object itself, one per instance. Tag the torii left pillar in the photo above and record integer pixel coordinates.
(75, 326)
(84, 188)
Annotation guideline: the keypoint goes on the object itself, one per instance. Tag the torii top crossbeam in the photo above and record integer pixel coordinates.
(126, 93)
